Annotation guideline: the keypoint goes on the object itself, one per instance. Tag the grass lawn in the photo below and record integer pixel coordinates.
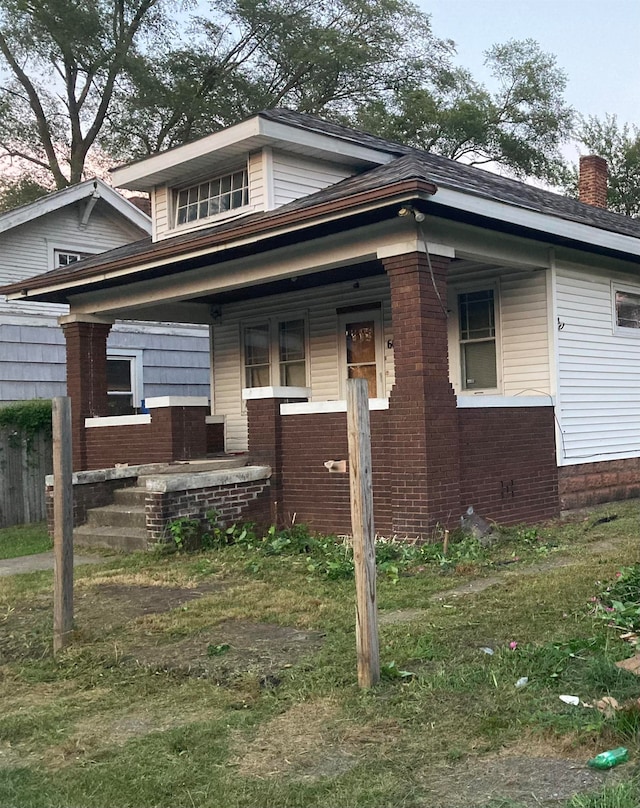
(228, 678)
(22, 540)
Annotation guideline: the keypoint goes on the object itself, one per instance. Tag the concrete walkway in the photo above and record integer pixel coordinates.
(42, 561)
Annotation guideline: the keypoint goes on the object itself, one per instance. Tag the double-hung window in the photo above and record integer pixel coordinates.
(275, 353)
(477, 336)
(124, 381)
(206, 199)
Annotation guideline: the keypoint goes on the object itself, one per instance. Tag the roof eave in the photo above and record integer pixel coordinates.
(43, 288)
(256, 132)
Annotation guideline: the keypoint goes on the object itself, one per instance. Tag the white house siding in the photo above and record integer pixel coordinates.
(160, 212)
(32, 350)
(522, 329)
(320, 308)
(295, 177)
(598, 369)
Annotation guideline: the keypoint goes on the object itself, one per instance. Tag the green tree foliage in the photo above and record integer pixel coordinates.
(520, 125)
(619, 144)
(327, 57)
(62, 60)
(135, 76)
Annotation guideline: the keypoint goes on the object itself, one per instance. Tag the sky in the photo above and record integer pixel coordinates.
(596, 43)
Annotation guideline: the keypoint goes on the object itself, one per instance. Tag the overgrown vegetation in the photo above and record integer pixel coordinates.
(27, 418)
(228, 676)
(332, 556)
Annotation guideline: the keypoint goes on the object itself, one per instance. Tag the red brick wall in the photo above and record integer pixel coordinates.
(175, 433)
(319, 498)
(591, 483)
(237, 502)
(508, 463)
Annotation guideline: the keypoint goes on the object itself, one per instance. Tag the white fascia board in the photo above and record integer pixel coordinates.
(465, 402)
(68, 196)
(542, 222)
(145, 174)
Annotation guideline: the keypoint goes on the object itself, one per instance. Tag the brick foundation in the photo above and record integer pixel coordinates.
(508, 463)
(508, 470)
(588, 484)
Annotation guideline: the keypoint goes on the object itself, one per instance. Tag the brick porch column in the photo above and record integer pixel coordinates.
(426, 462)
(86, 339)
(265, 446)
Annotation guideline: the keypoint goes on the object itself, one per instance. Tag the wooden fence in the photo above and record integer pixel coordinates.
(23, 467)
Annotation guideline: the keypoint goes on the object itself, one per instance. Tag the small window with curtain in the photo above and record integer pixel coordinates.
(627, 309)
(476, 313)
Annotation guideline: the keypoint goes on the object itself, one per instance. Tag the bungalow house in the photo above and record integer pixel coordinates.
(497, 326)
(143, 359)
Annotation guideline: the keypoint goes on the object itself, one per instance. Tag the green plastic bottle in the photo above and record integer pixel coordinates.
(609, 759)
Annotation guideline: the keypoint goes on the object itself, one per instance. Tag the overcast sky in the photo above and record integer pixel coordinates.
(596, 42)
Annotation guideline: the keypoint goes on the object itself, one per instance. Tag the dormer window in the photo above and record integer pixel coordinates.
(225, 193)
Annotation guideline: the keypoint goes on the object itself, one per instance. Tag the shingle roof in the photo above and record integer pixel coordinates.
(410, 164)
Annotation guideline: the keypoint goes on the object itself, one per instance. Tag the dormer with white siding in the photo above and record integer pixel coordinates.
(257, 165)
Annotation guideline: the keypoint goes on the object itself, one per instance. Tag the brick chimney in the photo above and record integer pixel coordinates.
(592, 183)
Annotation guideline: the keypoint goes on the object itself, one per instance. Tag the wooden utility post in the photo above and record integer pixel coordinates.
(364, 549)
(62, 524)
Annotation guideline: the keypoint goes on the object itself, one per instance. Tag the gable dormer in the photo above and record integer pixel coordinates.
(257, 165)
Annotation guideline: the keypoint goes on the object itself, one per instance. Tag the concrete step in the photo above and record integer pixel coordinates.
(129, 496)
(194, 467)
(117, 516)
(125, 539)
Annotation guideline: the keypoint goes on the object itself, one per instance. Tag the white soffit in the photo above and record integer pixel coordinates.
(221, 148)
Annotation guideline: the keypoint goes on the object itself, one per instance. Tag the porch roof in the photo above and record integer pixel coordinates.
(437, 185)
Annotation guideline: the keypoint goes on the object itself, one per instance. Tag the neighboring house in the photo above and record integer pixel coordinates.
(497, 325)
(57, 231)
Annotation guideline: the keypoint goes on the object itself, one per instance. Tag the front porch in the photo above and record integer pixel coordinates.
(435, 451)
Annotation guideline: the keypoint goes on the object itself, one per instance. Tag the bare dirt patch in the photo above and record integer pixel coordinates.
(109, 605)
(230, 649)
(529, 782)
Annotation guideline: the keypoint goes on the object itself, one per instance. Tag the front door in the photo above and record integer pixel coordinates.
(361, 349)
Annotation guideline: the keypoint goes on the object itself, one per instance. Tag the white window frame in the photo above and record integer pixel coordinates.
(455, 343)
(622, 330)
(174, 192)
(274, 345)
(135, 364)
(374, 313)
(54, 248)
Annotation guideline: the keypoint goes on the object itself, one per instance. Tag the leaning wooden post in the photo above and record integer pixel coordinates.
(62, 524)
(364, 549)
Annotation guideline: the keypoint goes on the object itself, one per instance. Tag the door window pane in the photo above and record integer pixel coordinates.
(361, 353)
